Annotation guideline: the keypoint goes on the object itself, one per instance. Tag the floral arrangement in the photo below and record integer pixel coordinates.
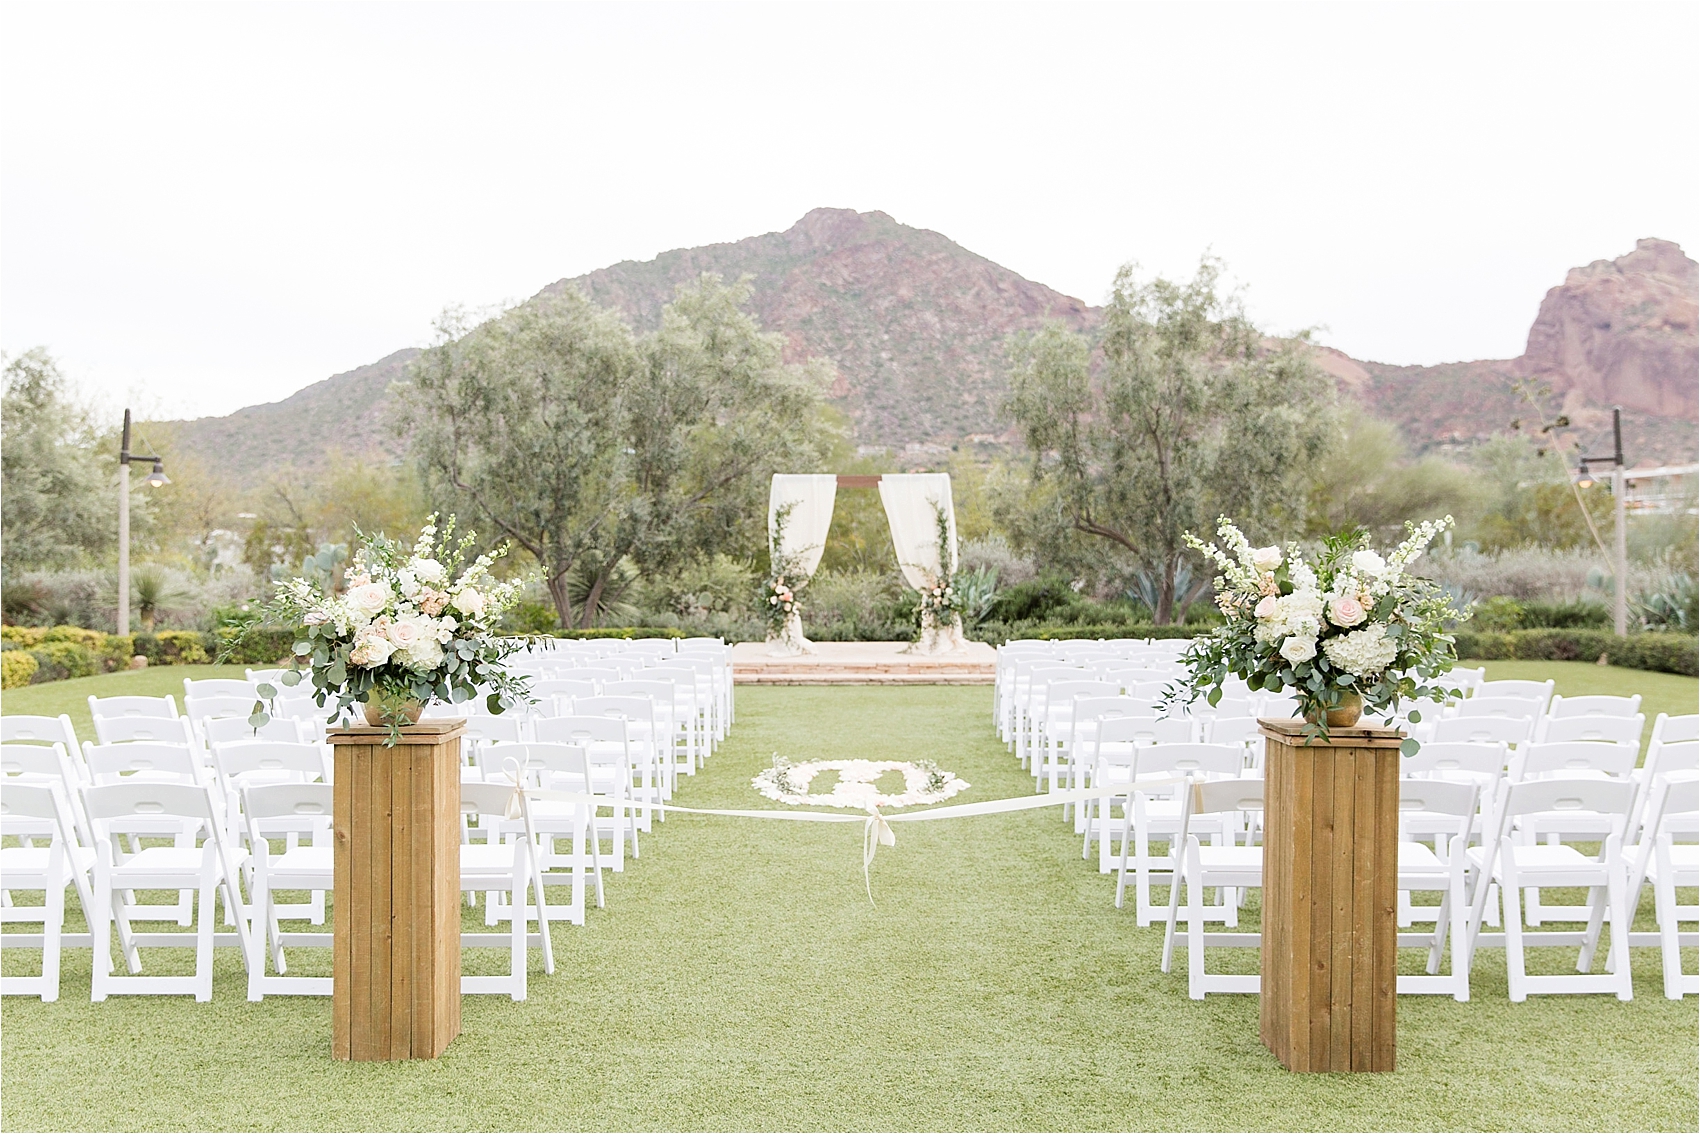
(407, 630)
(857, 786)
(782, 590)
(1348, 628)
(940, 601)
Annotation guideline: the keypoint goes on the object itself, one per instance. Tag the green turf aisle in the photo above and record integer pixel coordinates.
(739, 980)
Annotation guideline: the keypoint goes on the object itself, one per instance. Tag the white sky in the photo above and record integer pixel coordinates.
(203, 207)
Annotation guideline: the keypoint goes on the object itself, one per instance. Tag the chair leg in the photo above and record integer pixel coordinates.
(205, 921)
(1616, 894)
(50, 939)
(1194, 922)
(1664, 905)
(1512, 898)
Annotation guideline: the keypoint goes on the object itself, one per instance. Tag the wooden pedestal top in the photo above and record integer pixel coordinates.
(425, 732)
(1291, 730)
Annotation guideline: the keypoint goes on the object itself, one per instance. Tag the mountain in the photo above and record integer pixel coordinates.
(1616, 332)
(916, 326)
(915, 322)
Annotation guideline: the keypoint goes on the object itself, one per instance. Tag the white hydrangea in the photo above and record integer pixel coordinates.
(1362, 653)
(1299, 613)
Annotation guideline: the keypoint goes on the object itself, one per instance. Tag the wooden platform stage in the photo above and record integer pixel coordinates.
(863, 663)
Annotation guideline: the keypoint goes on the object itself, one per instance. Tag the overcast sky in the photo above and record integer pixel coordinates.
(207, 206)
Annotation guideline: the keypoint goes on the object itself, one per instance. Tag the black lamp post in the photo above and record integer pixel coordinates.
(1620, 592)
(156, 479)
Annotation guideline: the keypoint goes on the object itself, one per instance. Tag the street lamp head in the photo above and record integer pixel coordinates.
(1583, 478)
(157, 478)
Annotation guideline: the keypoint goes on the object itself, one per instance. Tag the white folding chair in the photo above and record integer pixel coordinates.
(564, 768)
(161, 730)
(220, 687)
(1501, 859)
(1680, 759)
(207, 868)
(482, 731)
(236, 730)
(674, 718)
(510, 867)
(105, 708)
(1507, 708)
(50, 869)
(644, 730)
(1196, 866)
(22, 729)
(1157, 814)
(607, 743)
(1668, 864)
(43, 764)
(1596, 705)
(1422, 870)
(311, 868)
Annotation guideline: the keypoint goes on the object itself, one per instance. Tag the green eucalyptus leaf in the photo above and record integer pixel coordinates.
(1410, 746)
(266, 690)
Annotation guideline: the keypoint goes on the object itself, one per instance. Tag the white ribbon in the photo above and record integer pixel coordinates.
(876, 827)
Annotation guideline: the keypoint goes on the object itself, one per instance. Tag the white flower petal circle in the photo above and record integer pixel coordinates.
(855, 787)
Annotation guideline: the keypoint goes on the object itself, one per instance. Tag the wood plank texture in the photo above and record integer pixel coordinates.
(396, 975)
(1330, 882)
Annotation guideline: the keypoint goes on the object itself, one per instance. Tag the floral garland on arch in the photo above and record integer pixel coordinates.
(782, 591)
(939, 603)
(1347, 627)
(406, 632)
(923, 782)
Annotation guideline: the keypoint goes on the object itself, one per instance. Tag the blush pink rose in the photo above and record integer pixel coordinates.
(1346, 611)
(1266, 606)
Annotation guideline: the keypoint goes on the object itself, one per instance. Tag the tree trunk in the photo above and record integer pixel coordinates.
(1165, 612)
(558, 595)
(591, 601)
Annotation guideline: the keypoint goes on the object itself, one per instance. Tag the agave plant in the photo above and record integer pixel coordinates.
(152, 588)
(976, 590)
(1671, 607)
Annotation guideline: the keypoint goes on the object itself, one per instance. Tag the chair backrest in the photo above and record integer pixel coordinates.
(199, 708)
(23, 729)
(44, 800)
(101, 707)
(1211, 797)
(597, 673)
(274, 758)
(1529, 690)
(1442, 797)
(564, 687)
(564, 767)
(1670, 796)
(1567, 758)
(1146, 730)
(631, 708)
(236, 730)
(580, 730)
(271, 676)
(1484, 730)
(121, 730)
(1510, 708)
(505, 729)
(1232, 730)
(1278, 705)
(1460, 680)
(1667, 728)
(1530, 797)
(1618, 730)
(1456, 760)
(1063, 693)
(277, 801)
(148, 800)
(1203, 759)
(485, 798)
(1088, 708)
(48, 761)
(219, 687)
(661, 692)
(1595, 705)
(146, 760)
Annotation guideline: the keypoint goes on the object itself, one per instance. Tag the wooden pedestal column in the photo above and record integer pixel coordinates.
(396, 969)
(1330, 880)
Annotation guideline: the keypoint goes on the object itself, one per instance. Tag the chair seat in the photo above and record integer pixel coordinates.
(16, 862)
(1239, 860)
(304, 860)
(1549, 865)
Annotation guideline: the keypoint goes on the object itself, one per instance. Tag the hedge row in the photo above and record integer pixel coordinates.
(62, 652)
(1663, 653)
(997, 633)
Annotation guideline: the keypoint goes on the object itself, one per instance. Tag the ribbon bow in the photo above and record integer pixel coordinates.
(876, 833)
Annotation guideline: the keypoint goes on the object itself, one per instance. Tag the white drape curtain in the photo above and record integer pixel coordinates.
(911, 500)
(811, 497)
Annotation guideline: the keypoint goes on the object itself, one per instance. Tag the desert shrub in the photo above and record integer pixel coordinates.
(17, 667)
(1036, 600)
(994, 553)
(1529, 573)
(22, 635)
(256, 645)
(90, 598)
(57, 661)
(1663, 653)
(622, 632)
(530, 617)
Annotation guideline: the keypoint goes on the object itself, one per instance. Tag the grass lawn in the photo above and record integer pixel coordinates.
(739, 979)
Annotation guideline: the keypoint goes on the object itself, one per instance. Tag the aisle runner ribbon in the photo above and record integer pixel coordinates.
(876, 827)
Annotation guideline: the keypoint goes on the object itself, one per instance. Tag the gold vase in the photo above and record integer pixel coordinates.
(385, 712)
(1345, 715)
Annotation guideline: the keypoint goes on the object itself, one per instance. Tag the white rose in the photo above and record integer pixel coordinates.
(407, 632)
(1369, 563)
(1266, 606)
(369, 599)
(1266, 558)
(429, 571)
(468, 601)
(1297, 649)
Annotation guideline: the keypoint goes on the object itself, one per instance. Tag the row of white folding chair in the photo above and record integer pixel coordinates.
(1149, 814)
(1673, 810)
(613, 751)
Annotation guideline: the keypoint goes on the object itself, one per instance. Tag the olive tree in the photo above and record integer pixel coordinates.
(1179, 412)
(595, 449)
